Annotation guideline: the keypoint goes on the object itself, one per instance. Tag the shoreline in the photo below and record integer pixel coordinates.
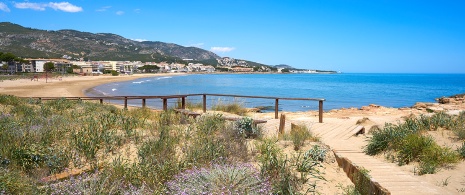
(68, 86)
(76, 86)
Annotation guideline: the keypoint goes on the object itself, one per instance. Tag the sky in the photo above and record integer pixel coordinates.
(376, 36)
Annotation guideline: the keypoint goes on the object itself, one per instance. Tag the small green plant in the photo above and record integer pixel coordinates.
(362, 180)
(245, 127)
(444, 182)
(317, 153)
(348, 190)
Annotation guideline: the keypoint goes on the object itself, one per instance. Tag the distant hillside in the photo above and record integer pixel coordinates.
(283, 66)
(28, 42)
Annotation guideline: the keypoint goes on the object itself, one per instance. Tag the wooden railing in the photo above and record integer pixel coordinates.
(183, 100)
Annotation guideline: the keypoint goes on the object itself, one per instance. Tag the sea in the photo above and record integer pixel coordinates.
(342, 90)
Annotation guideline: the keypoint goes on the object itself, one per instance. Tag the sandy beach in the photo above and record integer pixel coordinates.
(68, 86)
(375, 115)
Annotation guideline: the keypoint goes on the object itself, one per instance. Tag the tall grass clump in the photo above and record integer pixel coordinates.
(157, 158)
(461, 150)
(189, 104)
(13, 182)
(362, 181)
(409, 143)
(220, 179)
(235, 108)
(213, 139)
(299, 134)
(277, 167)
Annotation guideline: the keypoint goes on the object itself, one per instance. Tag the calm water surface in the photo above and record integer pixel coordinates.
(340, 90)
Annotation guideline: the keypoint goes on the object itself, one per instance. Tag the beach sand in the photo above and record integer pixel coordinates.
(75, 86)
(68, 86)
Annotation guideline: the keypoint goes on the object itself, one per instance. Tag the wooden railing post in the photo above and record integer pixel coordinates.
(320, 111)
(204, 103)
(165, 104)
(276, 108)
(101, 101)
(125, 102)
(183, 103)
(143, 102)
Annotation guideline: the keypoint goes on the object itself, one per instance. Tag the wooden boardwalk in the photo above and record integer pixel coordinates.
(339, 134)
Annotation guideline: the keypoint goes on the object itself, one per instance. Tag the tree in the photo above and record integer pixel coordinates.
(285, 70)
(149, 68)
(7, 57)
(49, 66)
(5, 67)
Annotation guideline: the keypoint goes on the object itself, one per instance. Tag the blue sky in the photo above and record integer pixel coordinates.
(408, 36)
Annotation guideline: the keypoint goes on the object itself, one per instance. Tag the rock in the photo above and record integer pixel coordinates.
(365, 108)
(419, 105)
(257, 110)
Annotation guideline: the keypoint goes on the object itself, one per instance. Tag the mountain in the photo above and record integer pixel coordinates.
(35, 43)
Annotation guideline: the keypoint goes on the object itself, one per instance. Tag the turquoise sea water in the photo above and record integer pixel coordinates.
(340, 90)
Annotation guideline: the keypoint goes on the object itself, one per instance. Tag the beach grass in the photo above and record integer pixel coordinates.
(235, 107)
(408, 142)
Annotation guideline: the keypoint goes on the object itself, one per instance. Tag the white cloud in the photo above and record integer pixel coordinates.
(34, 6)
(137, 10)
(103, 9)
(62, 6)
(119, 13)
(222, 49)
(4, 7)
(65, 6)
(139, 40)
(199, 45)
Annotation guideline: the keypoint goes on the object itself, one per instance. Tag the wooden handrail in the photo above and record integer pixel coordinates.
(183, 102)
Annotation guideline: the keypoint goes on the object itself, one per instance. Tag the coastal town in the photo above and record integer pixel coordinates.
(64, 65)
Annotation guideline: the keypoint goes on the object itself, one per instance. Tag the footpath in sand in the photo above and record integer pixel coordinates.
(346, 136)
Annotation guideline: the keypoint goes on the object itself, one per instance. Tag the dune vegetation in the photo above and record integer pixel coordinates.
(78, 147)
(409, 142)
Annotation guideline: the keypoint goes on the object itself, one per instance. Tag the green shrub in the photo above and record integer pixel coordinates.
(434, 156)
(245, 127)
(412, 147)
(114, 73)
(220, 179)
(459, 128)
(317, 153)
